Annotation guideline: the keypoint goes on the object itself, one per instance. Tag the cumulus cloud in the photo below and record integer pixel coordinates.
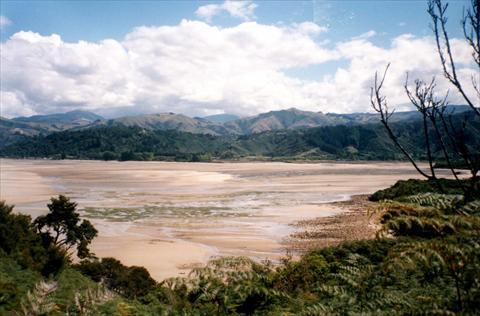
(242, 9)
(4, 22)
(196, 69)
(167, 68)
(348, 89)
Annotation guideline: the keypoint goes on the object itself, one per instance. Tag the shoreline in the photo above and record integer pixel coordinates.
(347, 220)
(222, 161)
(171, 216)
(353, 223)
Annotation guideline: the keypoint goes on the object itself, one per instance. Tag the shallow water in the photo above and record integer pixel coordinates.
(170, 216)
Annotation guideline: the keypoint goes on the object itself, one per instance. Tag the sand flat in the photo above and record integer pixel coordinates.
(170, 216)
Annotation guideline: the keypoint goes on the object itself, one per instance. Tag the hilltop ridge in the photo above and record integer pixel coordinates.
(21, 128)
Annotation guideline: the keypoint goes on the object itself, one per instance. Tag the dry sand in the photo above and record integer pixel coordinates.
(170, 216)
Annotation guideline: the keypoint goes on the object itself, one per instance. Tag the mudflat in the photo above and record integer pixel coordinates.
(170, 217)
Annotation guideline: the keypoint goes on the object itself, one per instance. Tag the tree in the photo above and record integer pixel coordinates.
(440, 125)
(63, 228)
(130, 282)
(20, 241)
(471, 31)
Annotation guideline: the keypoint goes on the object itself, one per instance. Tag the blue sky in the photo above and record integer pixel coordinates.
(97, 20)
(337, 42)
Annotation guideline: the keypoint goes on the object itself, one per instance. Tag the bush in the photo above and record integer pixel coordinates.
(108, 155)
(15, 282)
(302, 275)
(130, 282)
(413, 186)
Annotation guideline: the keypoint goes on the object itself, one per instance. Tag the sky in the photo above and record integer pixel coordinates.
(210, 57)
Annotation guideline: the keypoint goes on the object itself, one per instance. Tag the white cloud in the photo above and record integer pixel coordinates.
(365, 35)
(4, 22)
(195, 68)
(348, 90)
(310, 28)
(242, 9)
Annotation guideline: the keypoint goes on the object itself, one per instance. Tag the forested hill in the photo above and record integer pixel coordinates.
(120, 142)
(21, 128)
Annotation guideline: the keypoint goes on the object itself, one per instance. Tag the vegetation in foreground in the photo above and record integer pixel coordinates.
(425, 259)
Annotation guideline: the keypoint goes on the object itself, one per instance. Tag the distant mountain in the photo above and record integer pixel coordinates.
(291, 119)
(297, 119)
(78, 118)
(221, 118)
(365, 118)
(11, 131)
(20, 128)
(120, 142)
(274, 120)
(279, 120)
(171, 121)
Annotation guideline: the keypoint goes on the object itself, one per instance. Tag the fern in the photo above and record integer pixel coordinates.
(472, 208)
(443, 202)
(457, 258)
(39, 301)
(356, 289)
(86, 302)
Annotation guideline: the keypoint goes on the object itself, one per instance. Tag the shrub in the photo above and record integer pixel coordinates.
(412, 186)
(130, 282)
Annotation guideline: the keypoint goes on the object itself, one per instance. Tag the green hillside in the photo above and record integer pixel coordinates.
(20, 128)
(120, 142)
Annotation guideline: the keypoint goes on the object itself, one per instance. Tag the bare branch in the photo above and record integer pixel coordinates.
(423, 100)
(380, 105)
(471, 29)
(437, 12)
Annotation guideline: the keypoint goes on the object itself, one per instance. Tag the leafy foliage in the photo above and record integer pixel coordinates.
(403, 188)
(62, 227)
(20, 241)
(15, 282)
(130, 282)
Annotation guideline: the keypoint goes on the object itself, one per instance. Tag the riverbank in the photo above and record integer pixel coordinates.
(354, 222)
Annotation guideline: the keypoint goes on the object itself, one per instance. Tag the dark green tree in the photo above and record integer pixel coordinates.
(20, 241)
(63, 227)
(130, 282)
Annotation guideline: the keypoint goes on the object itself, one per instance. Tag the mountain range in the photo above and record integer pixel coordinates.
(20, 128)
(286, 133)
